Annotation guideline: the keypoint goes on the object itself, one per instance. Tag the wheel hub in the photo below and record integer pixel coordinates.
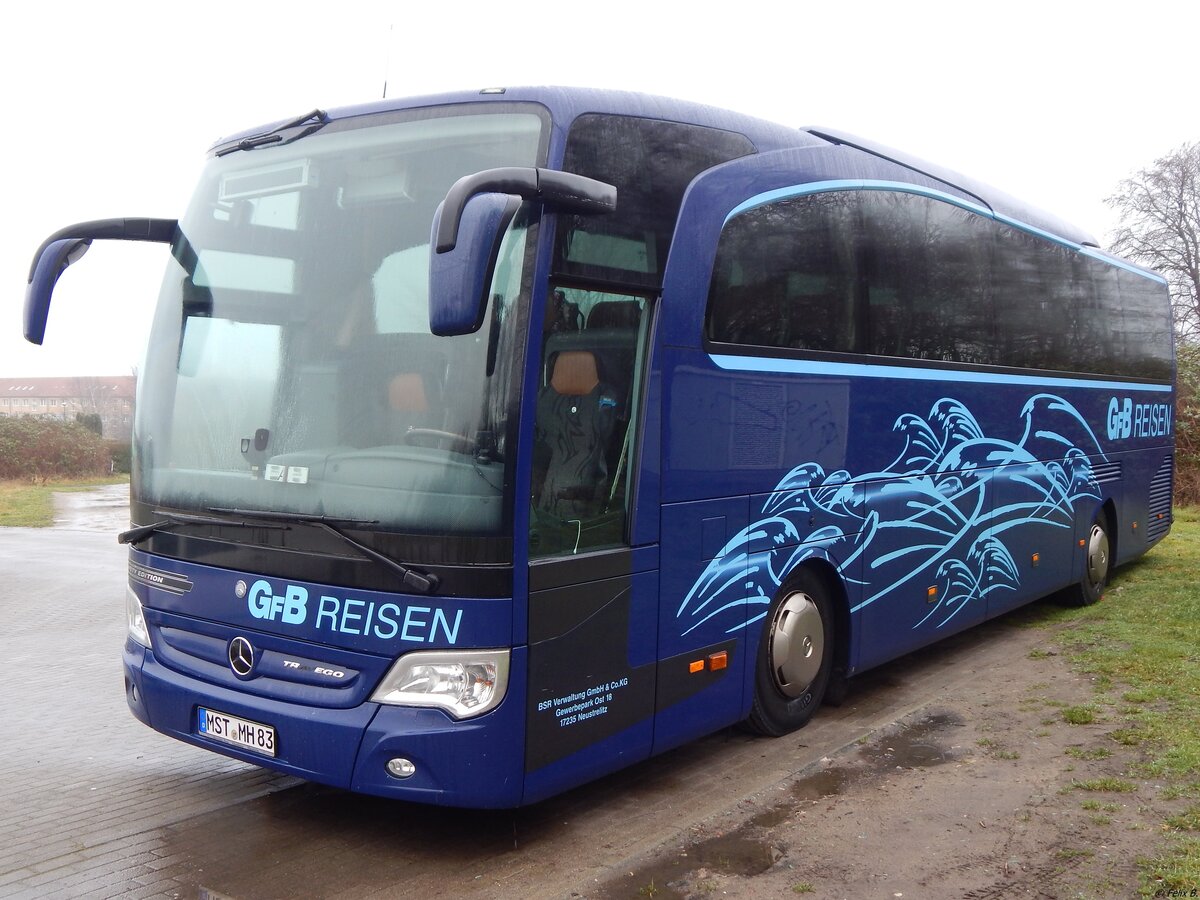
(797, 644)
(1097, 556)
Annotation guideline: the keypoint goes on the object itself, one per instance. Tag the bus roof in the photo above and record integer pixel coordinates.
(566, 103)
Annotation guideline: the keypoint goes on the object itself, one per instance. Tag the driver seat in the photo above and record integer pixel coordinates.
(576, 417)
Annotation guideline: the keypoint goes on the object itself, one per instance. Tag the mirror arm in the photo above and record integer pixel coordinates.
(160, 231)
(67, 246)
(563, 191)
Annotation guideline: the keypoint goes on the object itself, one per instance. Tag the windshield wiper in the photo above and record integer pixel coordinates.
(171, 519)
(425, 582)
(318, 117)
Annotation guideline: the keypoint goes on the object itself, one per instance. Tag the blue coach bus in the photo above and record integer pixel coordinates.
(487, 443)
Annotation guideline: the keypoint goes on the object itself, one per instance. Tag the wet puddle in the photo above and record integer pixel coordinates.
(105, 509)
(915, 745)
(734, 854)
(821, 784)
(750, 850)
(737, 853)
(745, 851)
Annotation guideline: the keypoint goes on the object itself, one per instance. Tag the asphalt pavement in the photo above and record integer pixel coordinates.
(82, 783)
(95, 804)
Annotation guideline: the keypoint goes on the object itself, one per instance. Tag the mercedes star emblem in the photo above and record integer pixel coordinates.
(241, 656)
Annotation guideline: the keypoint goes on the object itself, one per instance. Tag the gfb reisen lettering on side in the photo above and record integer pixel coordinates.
(386, 621)
(1142, 420)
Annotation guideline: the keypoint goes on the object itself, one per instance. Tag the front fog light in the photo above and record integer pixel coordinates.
(134, 618)
(465, 683)
(401, 768)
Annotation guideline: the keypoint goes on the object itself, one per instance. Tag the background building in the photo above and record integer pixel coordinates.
(108, 396)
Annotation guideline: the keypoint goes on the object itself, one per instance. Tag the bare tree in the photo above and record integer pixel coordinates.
(1159, 227)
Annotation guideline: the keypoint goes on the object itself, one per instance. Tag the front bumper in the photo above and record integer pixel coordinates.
(473, 763)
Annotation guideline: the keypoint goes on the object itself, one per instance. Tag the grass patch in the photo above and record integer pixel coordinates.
(1144, 695)
(1107, 783)
(1175, 872)
(1143, 635)
(1142, 640)
(25, 505)
(1188, 820)
(1078, 715)
(1089, 752)
(1127, 737)
(1072, 853)
(1182, 791)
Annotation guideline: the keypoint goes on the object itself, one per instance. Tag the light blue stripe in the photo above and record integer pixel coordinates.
(863, 370)
(1037, 232)
(1103, 257)
(822, 187)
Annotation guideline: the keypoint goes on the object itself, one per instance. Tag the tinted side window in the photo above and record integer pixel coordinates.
(651, 163)
(1031, 281)
(1093, 303)
(1143, 330)
(927, 265)
(906, 276)
(1067, 311)
(787, 275)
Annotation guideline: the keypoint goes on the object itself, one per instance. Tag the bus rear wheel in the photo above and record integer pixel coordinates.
(795, 657)
(1097, 565)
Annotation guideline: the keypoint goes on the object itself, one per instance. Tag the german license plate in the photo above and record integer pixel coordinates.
(231, 730)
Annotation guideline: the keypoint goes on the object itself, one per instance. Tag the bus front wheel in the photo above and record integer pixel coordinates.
(795, 656)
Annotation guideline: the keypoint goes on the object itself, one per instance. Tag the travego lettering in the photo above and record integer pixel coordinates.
(364, 618)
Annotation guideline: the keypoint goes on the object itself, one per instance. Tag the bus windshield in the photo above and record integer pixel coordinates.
(291, 366)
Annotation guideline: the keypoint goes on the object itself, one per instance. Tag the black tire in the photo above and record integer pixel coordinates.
(1097, 564)
(795, 656)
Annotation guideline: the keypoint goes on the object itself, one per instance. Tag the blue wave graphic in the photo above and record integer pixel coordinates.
(945, 527)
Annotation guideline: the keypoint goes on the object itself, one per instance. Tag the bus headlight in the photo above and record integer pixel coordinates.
(465, 683)
(134, 618)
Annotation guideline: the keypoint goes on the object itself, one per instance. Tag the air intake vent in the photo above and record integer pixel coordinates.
(1106, 472)
(1160, 501)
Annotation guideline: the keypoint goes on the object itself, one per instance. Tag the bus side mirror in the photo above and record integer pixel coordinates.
(459, 277)
(47, 268)
(470, 224)
(67, 246)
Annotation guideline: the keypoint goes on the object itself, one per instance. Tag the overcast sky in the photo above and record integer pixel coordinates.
(109, 107)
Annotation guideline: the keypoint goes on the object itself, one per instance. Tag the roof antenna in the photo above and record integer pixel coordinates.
(387, 59)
